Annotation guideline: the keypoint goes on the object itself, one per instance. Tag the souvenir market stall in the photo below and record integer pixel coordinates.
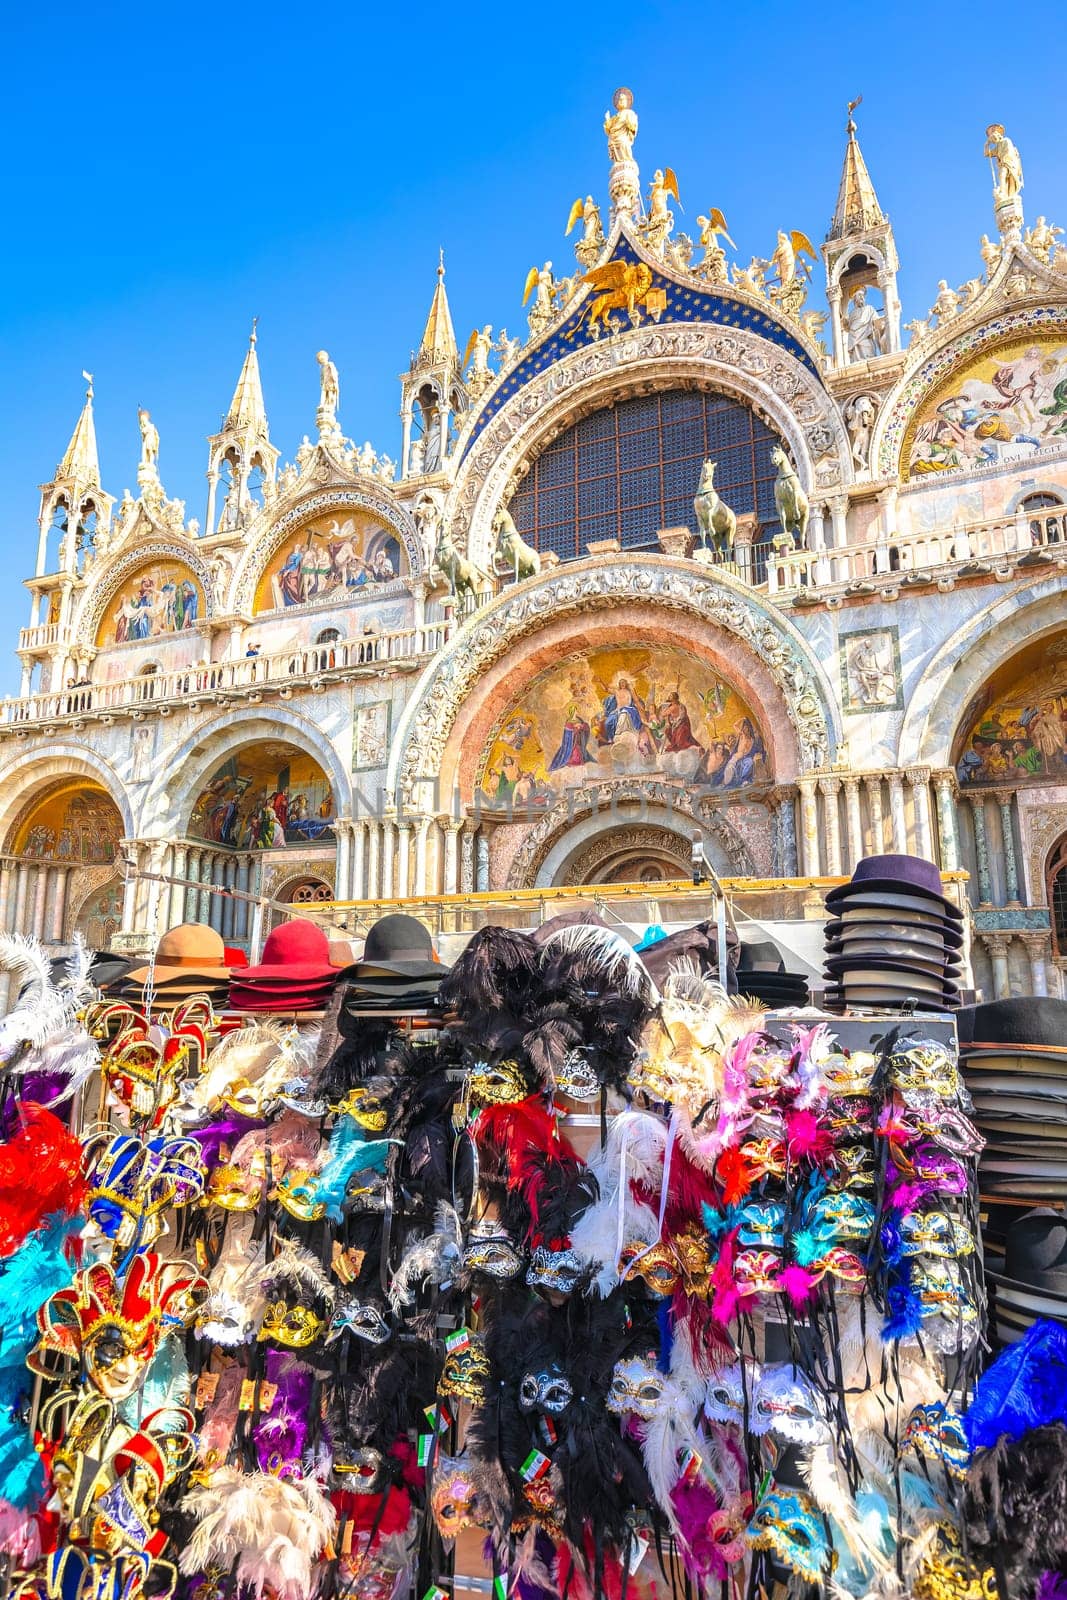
(562, 1270)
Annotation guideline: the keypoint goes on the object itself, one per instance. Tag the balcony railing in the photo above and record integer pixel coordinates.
(44, 637)
(217, 680)
(890, 557)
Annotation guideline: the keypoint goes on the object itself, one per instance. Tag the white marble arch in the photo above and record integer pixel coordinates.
(958, 670)
(27, 774)
(421, 752)
(316, 500)
(573, 837)
(730, 361)
(171, 796)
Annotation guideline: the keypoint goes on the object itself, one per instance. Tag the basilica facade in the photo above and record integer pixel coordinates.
(693, 558)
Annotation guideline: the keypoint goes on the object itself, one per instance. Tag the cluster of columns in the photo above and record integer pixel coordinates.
(34, 897)
(845, 816)
(154, 906)
(1034, 974)
(995, 852)
(398, 855)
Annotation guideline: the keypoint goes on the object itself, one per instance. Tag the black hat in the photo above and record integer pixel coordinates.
(1031, 1025)
(760, 955)
(1035, 1253)
(903, 875)
(935, 933)
(398, 946)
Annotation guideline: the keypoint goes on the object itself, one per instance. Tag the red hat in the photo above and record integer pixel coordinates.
(295, 952)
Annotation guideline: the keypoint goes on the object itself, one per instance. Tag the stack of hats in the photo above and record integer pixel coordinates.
(190, 959)
(399, 972)
(295, 974)
(893, 938)
(1029, 1280)
(1014, 1058)
(763, 976)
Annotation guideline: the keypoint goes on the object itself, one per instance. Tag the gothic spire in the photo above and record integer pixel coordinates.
(247, 413)
(438, 347)
(857, 206)
(80, 464)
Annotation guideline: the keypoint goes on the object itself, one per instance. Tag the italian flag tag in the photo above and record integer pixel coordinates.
(535, 1466)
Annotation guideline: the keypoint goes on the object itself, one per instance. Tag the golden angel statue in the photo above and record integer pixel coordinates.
(479, 345)
(660, 221)
(792, 270)
(540, 279)
(591, 243)
(713, 266)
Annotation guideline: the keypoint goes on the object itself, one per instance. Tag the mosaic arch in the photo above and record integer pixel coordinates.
(155, 599)
(71, 821)
(347, 552)
(1015, 728)
(622, 711)
(1001, 404)
(265, 796)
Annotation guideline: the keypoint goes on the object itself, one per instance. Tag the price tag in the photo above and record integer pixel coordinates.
(206, 1385)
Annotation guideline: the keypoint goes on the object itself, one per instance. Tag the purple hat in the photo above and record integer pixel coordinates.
(894, 875)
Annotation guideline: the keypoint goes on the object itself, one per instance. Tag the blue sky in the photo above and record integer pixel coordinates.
(174, 170)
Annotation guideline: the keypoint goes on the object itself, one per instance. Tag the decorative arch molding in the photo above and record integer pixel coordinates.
(170, 797)
(592, 586)
(287, 876)
(362, 496)
(1027, 490)
(104, 584)
(86, 882)
(732, 361)
(936, 708)
(598, 809)
(626, 841)
(892, 423)
(29, 774)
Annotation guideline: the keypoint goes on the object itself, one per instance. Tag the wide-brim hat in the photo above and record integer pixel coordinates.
(912, 877)
(882, 996)
(296, 951)
(1035, 1252)
(398, 946)
(190, 950)
(937, 934)
(1040, 1061)
(1031, 1023)
(873, 969)
(840, 958)
(760, 955)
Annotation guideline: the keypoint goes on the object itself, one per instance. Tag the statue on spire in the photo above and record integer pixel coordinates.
(624, 180)
(1007, 181)
(329, 396)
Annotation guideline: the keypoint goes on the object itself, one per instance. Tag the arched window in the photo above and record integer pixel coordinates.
(1056, 886)
(1044, 528)
(328, 636)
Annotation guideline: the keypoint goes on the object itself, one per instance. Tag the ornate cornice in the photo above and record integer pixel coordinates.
(589, 586)
(775, 383)
(361, 496)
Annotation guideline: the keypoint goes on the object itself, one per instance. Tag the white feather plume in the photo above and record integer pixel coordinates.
(41, 1009)
(622, 967)
(434, 1258)
(275, 1531)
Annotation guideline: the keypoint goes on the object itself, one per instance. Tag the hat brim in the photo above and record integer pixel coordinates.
(902, 893)
(361, 970)
(870, 970)
(161, 973)
(916, 958)
(289, 972)
(933, 938)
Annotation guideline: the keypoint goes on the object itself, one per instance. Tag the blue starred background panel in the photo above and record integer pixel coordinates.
(685, 303)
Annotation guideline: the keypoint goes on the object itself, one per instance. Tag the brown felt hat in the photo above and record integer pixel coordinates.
(192, 950)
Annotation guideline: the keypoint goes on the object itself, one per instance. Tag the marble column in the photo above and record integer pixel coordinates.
(374, 846)
(839, 521)
(466, 859)
(855, 823)
(22, 887)
(830, 788)
(154, 897)
(229, 907)
(58, 902)
(809, 828)
(981, 849)
(897, 818)
(39, 902)
(7, 881)
(343, 869)
(129, 887)
(450, 829)
(403, 859)
(1037, 946)
(948, 832)
(358, 885)
(388, 854)
(481, 851)
(203, 898)
(1007, 827)
(240, 921)
(873, 785)
(919, 784)
(178, 865)
(422, 839)
(788, 816)
(997, 945)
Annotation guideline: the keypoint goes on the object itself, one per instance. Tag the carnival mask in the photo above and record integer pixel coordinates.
(361, 1318)
(930, 1233)
(948, 1573)
(724, 1400)
(791, 1528)
(555, 1271)
(547, 1390)
(756, 1272)
(499, 1083)
(925, 1070)
(853, 1167)
(761, 1223)
(491, 1251)
(364, 1106)
(455, 1500)
(465, 1373)
(363, 1468)
(295, 1327)
(576, 1078)
(785, 1403)
(637, 1387)
(936, 1432)
(848, 1074)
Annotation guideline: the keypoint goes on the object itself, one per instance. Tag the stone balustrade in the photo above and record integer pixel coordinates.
(46, 636)
(243, 676)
